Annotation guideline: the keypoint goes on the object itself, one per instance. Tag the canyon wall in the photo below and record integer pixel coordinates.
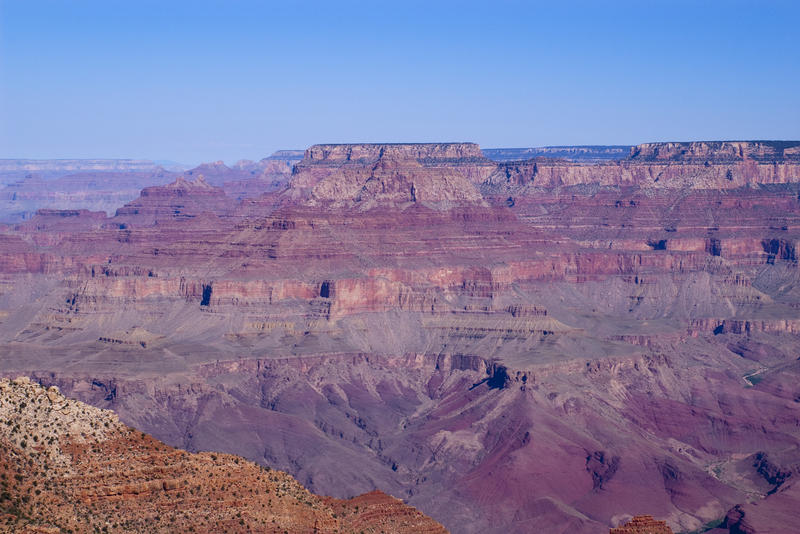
(504, 354)
(700, 165)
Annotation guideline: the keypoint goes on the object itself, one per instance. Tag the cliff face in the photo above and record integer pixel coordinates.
(534, 359)
(643, 524)
(431, 153)
(718, 151)
(368, 174)
(701, 165)
(67, 466)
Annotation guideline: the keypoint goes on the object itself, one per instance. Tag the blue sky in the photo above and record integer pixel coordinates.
(202, 80)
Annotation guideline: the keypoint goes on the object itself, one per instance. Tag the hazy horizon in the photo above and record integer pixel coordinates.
(206, 81)
(232, 162)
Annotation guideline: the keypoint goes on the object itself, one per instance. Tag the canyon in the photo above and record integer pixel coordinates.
(27, 186)
(531, 345)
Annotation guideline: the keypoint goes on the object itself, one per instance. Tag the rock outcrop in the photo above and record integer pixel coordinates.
(69, 467)
(702, 165)
(642, 524)
(718, 151)
(179, 200)
(348, 175)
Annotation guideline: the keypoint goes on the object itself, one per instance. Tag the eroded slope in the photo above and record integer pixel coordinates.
(69, 467)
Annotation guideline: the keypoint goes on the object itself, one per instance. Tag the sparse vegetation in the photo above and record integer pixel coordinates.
(117, 462)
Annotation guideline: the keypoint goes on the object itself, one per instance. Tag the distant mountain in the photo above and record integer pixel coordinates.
(288, 155)
(12, 169)
(104, 190)
(27, 185)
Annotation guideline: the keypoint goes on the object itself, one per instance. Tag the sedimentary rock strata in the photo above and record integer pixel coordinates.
(642, 524)
(175, 201)
(661, 165)
(367, 174)
(509, 347)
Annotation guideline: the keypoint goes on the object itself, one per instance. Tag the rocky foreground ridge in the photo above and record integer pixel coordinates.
(69, 467)
(513, 347)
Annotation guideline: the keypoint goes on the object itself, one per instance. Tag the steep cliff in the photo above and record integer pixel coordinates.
(718, 151)
(355, 174)
(701, 165)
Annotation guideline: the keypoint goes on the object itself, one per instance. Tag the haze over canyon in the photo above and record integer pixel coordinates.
(509, 340)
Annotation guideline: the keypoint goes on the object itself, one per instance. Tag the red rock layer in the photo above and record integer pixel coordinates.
(179, 200)
(642, 524)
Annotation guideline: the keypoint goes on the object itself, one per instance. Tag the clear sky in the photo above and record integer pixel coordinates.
(198, 80)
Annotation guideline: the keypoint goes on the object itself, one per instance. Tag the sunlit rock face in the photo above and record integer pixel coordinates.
(699, 165)
(369, 174)
(642, 524)
(505, 353)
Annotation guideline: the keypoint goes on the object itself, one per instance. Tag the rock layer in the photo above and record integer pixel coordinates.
(642, 524)
(533, 359)
(347, 174)
(718, 165)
